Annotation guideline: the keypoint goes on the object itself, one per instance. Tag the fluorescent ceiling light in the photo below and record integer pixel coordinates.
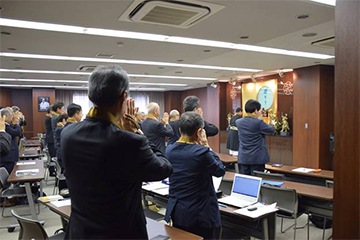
(137, 62)
(86, 82)
(156, 37)
(88, 73)
(73, 87)
(327, 2)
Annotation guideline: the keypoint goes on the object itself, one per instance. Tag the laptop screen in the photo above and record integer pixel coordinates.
(246, 186)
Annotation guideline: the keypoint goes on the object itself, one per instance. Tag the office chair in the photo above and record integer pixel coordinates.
(274, 176)
(59, 176)
(48, 164)
(287, 202)
(32, 229)
(225, 187)
(7, 190)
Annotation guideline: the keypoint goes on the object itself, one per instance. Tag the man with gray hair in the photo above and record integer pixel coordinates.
(156, 130)
(174, 116)
(106, 160)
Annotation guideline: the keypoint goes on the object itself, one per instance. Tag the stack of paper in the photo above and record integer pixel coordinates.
(157, 187)
(26, 172)
(63, 203)
(302, 169)
(26, 163)
(260, 211)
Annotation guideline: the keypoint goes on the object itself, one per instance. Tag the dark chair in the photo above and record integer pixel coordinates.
(32, 229)
(287, 202)
(7, 190)
(274, 176)
(48, 164)
(59, 176)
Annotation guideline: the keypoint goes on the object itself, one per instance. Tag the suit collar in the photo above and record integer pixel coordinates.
(151, 117)
(101, 114)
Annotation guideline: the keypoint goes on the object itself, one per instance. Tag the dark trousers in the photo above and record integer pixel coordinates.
(206, 233)
(248, 169)
(52, 149)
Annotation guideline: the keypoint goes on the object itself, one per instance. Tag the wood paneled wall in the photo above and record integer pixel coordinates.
(23, 99)
(5, 97)
(313, 116)
(39, 117)
(346, 214)
(172, 100)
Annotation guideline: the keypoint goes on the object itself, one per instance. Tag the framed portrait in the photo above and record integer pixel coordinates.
(43, 103)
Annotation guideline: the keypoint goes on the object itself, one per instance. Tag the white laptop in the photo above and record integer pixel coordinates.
(245, 191)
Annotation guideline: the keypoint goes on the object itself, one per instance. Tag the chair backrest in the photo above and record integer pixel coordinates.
(286, 199)
(329, 184)
(48, 157)
(275, 176)
(57, 166)
(226, 186)
(4, 175)
(30, 229)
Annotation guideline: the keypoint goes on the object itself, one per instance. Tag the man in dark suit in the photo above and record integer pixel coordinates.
(106, 160)
(192, 103)
(13, 129)
(192, 203)
(253, 152)
(156, 130)
(49, 133)
(5, 138)
(57, 110)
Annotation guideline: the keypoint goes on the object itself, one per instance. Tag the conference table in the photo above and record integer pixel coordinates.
(32, 143)
(303, 177)
(154, 228)
(29, 153)
(36, 175)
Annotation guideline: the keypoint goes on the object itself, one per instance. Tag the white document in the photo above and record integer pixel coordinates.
(63, 203)
(50, 198)
(260, 211)
(26, 163)
(302, 169)
(162, 191)
(26, 172)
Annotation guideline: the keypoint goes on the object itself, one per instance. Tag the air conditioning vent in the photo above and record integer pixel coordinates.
(86, 68)
(104, 55)
(328, 42)
(169, 12)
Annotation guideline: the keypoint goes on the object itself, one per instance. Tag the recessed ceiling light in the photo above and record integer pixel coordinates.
(12, 49)
(161, 67)
(327, 2)
(178, 72)
(207, 50)
(309, 34)
(5, 33)
(303, 16)
(244, 37)
(155, 37)
(120, 44)
(124, 61)
(179, 60)
(89, 73)
(15, 60)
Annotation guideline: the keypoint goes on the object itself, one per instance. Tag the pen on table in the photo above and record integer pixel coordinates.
(222, 205)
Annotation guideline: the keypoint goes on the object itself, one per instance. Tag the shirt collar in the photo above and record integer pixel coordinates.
(101, 114)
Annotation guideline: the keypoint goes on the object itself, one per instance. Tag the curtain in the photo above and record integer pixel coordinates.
(142, 99)
(81, 98)
(65, 96)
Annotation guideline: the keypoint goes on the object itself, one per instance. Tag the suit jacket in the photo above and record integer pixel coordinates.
(5, 144)
(252, 147)
(156, 132)
(54, 121)
(211, 130)
(192, 198)
(14, 131)
(176, 135)
(49, 130)
(105, 168)
(233, 137)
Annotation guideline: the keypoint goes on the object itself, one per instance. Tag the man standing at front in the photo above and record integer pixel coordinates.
(253, 153)
(106, 160)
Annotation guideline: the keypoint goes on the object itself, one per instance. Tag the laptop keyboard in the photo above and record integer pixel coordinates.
(235, 202)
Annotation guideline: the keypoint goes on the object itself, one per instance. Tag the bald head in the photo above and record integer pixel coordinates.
(174, 115)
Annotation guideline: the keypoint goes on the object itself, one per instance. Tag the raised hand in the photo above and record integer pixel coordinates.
(2, 122)
(199, 111)
(165, 118)
(128, 121)
(202, 139)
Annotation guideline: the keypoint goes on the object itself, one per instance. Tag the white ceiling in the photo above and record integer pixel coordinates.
(270, 23)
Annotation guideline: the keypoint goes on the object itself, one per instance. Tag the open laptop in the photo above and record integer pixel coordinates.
(245, 191)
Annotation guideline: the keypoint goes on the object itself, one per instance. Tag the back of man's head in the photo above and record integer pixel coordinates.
(72, 109)
(190, 103)
(5, 112)
(174, 113)
(153, 107)
(62, 117)
(57, 105)
(190, 122)
(15, 108)
(49, 109)
(239, 109)
(252, 105)
(107, 84)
